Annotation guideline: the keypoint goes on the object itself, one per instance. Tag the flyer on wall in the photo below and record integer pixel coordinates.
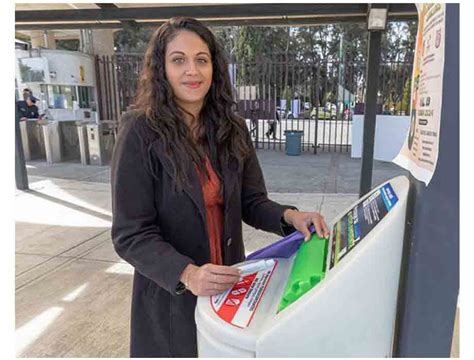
(419, 153)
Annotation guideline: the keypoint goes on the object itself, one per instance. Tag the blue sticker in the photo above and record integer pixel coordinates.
(389, 197)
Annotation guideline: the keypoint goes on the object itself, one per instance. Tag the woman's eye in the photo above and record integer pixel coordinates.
(203, 61)
(178, 60)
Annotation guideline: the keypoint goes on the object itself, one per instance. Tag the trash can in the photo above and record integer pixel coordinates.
(293, 142)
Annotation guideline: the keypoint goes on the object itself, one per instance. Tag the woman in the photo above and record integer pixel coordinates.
(184, 176)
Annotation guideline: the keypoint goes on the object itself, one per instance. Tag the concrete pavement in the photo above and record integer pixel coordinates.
(328, 173)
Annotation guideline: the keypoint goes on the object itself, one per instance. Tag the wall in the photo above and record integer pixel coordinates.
(65, 63)
(390, 134)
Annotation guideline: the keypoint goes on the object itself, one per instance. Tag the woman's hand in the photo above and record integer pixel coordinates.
(302, 221)
(209, 279)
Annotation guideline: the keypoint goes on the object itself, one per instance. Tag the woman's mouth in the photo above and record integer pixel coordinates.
(192, 84)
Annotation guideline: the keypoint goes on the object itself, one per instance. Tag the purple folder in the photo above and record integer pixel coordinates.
(283, 248)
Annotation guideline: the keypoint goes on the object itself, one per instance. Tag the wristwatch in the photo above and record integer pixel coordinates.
(180, 288)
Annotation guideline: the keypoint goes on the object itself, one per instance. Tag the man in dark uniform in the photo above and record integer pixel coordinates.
(27, 108)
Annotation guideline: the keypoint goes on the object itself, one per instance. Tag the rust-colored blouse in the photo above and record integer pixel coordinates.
(214, 204)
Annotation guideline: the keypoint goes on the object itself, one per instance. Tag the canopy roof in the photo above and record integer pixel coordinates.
(88, 15)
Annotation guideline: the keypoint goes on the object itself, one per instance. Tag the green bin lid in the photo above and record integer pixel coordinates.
(308, 270)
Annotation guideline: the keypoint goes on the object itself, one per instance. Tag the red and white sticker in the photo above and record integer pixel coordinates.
(237, 305)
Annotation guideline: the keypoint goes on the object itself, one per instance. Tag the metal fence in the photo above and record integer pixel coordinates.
(117, 80)
(318, 97)
(283, 95)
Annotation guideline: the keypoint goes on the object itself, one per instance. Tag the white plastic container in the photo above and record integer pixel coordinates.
(350, 313)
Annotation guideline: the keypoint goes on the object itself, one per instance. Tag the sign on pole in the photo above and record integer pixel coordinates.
(419, 154)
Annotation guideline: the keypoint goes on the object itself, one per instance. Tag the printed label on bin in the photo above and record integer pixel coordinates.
(360, 220)
(237, 305)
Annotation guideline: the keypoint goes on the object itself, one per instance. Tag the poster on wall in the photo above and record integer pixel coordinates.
(419, 153)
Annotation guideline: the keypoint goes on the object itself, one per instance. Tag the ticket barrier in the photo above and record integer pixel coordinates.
(40, 139)
(100, 141)
(334, 297)
(82, 135)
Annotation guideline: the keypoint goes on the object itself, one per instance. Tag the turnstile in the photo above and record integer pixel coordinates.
(101, 139)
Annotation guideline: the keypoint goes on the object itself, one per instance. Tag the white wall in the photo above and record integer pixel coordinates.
(390, 134)
(66, 64)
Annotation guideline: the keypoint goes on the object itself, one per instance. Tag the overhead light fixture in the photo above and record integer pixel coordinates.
(377, 19)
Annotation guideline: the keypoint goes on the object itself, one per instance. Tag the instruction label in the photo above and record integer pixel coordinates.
(360, 220)
(237, 305)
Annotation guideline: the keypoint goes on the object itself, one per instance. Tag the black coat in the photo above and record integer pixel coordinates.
(159, 232)
(30, 112)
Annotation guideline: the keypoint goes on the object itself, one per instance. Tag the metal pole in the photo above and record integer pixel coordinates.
(21, 176)
(429, 285)
(370, 112)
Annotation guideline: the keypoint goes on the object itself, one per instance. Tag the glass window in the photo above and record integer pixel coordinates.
(61, 96)
(86, 96)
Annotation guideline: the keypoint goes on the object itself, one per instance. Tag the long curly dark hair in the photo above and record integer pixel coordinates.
(219, 131)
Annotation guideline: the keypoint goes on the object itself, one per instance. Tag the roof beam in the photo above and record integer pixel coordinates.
(203, 11)
(213, 23)
(113, 6)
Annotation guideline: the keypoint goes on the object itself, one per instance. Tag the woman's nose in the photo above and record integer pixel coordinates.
(191, 69)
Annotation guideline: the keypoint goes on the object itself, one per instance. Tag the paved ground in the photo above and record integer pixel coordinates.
(73, 291)
(322, 173)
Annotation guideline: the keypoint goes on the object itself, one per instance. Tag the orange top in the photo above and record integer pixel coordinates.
(214, 204)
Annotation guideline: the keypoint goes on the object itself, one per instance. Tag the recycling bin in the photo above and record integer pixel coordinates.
(334, 297)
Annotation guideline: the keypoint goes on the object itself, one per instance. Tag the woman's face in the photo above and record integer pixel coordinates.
(188, 67)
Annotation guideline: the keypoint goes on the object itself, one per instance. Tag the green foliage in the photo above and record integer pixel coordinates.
(69, 44)
(132, 38)
(398, 42)
(405, 104)
(333, 53)
(287, 94)
(345, 42)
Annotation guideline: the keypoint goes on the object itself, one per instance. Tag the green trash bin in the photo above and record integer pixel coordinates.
(293, 142)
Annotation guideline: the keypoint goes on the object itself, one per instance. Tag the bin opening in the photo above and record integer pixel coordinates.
(308, 270)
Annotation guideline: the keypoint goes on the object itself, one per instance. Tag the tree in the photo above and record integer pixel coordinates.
(132, 38)
(68, 44)
(309, 61)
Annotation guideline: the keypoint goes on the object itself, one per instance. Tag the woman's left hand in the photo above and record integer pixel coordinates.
(302, 221)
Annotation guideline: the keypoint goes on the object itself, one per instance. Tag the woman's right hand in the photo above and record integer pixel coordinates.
(209, 279)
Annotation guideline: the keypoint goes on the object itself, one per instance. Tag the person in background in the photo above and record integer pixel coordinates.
(22, 104)
(27, 109)
(254, 117)
(184, 176)
(272, 123)
(27, 93)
